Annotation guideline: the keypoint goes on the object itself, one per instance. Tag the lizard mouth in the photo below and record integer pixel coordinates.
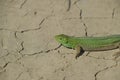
(56, 37)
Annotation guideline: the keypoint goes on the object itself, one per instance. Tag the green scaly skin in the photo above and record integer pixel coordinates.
(89, 43)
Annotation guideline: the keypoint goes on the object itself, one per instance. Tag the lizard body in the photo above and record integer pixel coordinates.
(89, 43)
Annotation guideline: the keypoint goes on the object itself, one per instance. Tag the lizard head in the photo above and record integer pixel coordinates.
(63, 39)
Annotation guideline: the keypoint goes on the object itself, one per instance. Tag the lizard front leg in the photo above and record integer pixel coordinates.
(79, 51)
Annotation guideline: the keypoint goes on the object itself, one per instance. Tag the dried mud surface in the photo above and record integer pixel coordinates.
(28, 50)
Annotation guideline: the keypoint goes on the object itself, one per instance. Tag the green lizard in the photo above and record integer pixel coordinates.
(81, 44)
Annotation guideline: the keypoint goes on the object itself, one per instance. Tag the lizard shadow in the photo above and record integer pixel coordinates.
(81, 53)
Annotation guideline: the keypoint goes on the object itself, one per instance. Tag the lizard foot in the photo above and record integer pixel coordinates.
(116, 55)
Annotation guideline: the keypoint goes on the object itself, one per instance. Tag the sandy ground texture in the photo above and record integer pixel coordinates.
(28, 50)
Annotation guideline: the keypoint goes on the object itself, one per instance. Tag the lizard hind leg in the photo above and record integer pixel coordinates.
(117, 54)
(79, 51)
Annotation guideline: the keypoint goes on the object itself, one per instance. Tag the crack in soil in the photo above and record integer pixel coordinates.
(35, 28)
(96, 74)
(76, 2)
(113, 13)
(84, 24)
(36, 53)
(98, 57)
(81, 13)
(69, 5)
(19, 76)
(26, 29)
(42, 51)
(22, 45)
(5, 65)
(23, 3)
(86, 33)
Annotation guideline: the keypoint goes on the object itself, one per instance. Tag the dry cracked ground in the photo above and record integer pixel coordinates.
(28, 50)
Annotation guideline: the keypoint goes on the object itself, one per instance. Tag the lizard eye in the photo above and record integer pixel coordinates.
(60, 38)
(65, 40)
